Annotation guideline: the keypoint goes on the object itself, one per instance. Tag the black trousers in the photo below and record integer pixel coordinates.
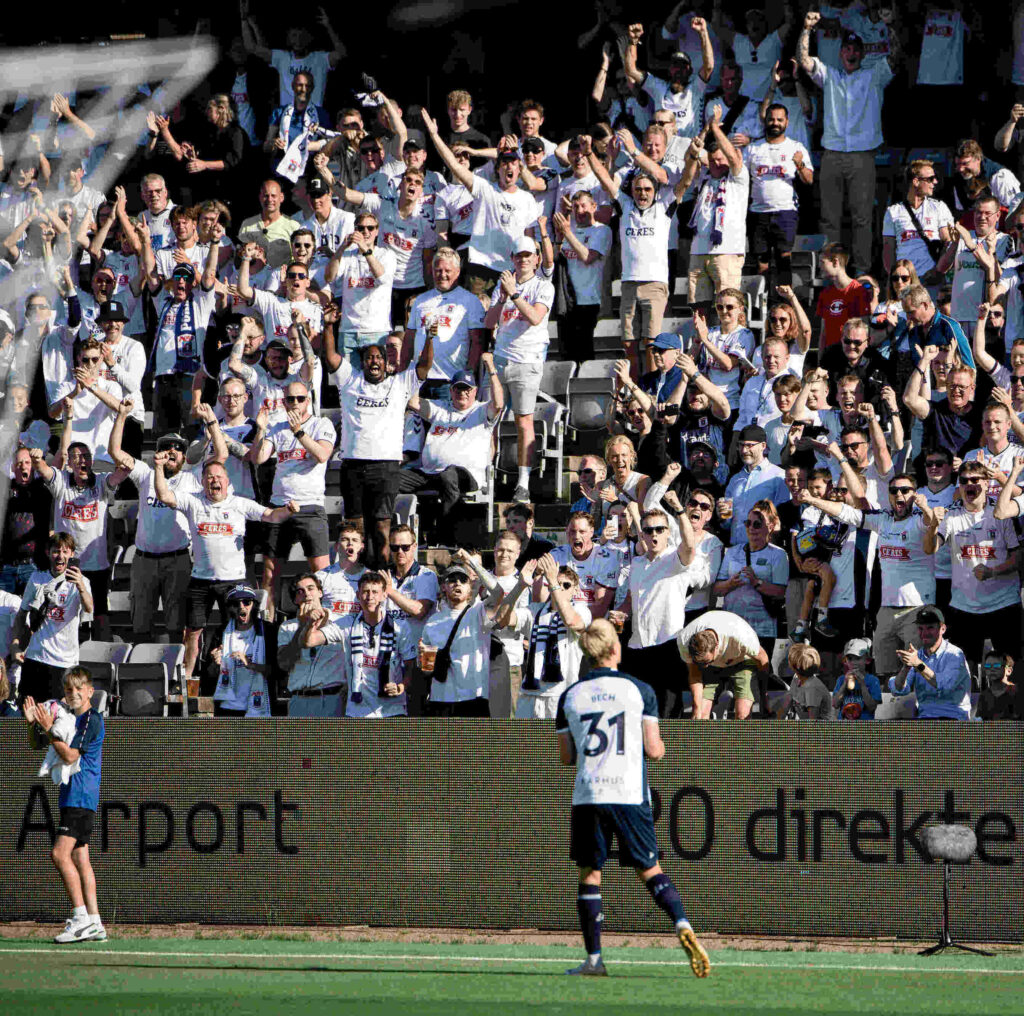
(663, 669)
(471, 707)
(450, 483)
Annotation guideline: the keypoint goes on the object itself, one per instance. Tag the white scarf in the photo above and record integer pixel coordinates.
(239, 687)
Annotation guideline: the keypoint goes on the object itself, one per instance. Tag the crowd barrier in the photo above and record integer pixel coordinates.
(807, 829)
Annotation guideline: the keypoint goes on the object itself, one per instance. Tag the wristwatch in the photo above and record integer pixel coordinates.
(515, 296)
(300, 433)
(920, 668)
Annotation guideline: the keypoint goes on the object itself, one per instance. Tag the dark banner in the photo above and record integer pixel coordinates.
(767, 828)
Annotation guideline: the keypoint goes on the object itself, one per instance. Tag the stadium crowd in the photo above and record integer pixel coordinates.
(810, 441)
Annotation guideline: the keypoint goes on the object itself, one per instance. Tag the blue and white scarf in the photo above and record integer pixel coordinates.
(717, 207)
(544, 663)
(387, 646)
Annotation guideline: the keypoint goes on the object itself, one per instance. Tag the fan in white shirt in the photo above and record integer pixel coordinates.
(340, 580)
(900, 236)
(157, 213)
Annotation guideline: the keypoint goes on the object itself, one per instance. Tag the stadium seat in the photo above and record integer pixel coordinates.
(754, 289)
(406, 513)
(608, 327)
(144, 689)
(549, 426)
(590, 396)
(554, 382)
(806, 248)
(101, 702)
(102, 659)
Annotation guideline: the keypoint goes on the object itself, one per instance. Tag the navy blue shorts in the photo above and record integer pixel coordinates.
(592, 827)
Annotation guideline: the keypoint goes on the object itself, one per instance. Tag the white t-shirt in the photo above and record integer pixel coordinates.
(56, 641)
(737, 641)
(586, 279)
(733, 223)
(516, 340)
(757, 62)
(687, 104)
(658, 591)
(500, 218)
(277, 314)
(979, 538)
(736, 343)
(331, 233)
(570, 656)
(470, 652)
(456, 313)
(341, 589)
(599, 568)
(268, 391)
(458, 438)
(419, 584)
(218, 532)
(908, 573)
(161, 529)
(93, 421)
(197, 255)
(407, 238)
(932, 215)
(364, 700)
(160, 227)
(942, 499)
(299, 476)
(129, 366)
(320, 667)
(373, 416)
(942, 48)
(969, 278)
(708, 559)
(241, 687)
(82, 512)
(643, 235)
(772, 172)
(181, 331)
(365, 300)
(454, 205)
(287, 65)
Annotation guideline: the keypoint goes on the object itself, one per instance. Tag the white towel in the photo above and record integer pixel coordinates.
(64, 728)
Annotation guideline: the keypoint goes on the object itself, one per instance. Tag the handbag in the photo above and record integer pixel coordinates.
(443, 660)
(935, 247)
(774, 605)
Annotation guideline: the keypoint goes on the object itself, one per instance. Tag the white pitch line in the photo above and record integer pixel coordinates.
(405, 958)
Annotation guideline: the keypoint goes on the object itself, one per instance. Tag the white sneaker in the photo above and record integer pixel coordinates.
(96, 932)
(75, 930)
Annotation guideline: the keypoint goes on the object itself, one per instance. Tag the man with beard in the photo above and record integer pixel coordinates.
(756, 480)
(906, 547)
(26, 525)
(774, 165)
(373, 405)
(741, 116)
(161, 567)
(682, 93)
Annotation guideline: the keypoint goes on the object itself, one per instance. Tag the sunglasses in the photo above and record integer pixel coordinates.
(842, 490)
(654, 530)
(91, 359)
(901, 490)
(704, 506)
(778, 319)
(295, 398)
(565, 585)
(901, 278)
(400, 546)
(174, 446)
(938, 463)
(754, 524)
(352, 127)
(853, 444)
(296, 275)
(726, 306)
(365, 229)
(1015, 380)
(854, 342)
(460, 579)
(927, 179)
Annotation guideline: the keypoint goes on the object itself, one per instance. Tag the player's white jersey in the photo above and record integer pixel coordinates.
(604, 714)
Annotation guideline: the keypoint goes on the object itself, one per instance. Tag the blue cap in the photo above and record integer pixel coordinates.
(668, 340)
(464, 378)
(242, 592)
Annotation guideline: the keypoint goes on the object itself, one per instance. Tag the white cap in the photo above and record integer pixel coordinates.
(857, 647)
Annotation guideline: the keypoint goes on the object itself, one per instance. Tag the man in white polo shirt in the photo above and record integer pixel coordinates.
(457, 449)
(918, 226)
(659, 582)
(216, 521)
(302, 443)
(853, 130)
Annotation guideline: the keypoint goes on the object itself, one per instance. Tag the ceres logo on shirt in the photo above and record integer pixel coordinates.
(81, 512)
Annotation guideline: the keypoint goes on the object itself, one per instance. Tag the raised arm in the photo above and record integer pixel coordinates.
(916, 395)
(160, 486)
(707, 54)
(803, 322)
(803, 43)
(251, 38)
(982, 359)
(1006, 505)
(636, 32)
(120, 458)
(497, 402)
(598, 168)
(458, 171)
(647, 164)
(1004, 136)
(597, 92)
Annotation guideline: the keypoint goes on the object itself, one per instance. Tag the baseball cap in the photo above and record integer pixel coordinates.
(857, 647)
(930, 615)
(752, 432)
(463, 379)
(414, 140)
(112, 310)
(852, 39)
(524, 245)
(667, 340)
(680, 57)
(512, 156)
(317, 186)
(184, 272)
(532, 145)
(172, 440)
(455, 569)
(278, 344)
(242, 592)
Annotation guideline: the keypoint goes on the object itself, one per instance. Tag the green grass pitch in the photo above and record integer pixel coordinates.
(275, 978)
